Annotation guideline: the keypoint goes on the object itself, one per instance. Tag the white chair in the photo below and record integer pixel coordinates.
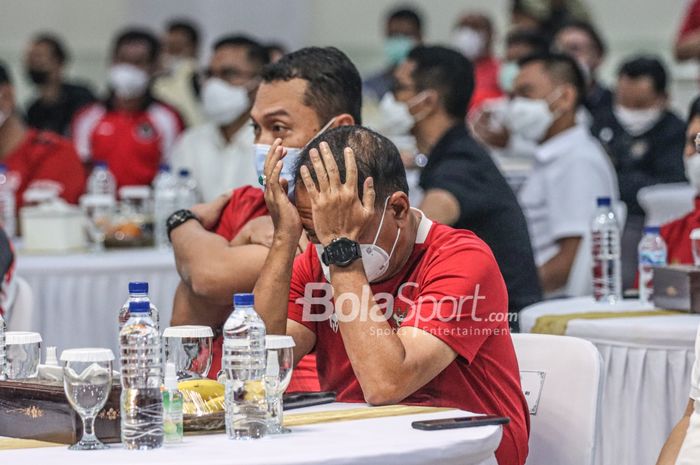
(563, 428)
(20, 316)
(666, 202)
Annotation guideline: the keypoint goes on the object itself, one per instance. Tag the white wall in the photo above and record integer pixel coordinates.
(353, 25)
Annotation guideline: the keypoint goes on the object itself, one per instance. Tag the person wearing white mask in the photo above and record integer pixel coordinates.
(131, 130)
(220, 246)
(644, 140)
(219, 153)
(571, 169)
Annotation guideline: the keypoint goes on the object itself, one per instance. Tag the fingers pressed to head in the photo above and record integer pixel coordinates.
(331, 165)
(350, 169)
(368, 194)
(308, 182)
(319, 169)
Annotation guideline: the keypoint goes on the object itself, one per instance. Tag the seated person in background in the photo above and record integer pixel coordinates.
(473, 36)
(35, 158)
(58, 100)
(463, 187)
(223, 249)
(219, 153)
(7, 282)
(677, 233)
(683, 444)
(644, 140)
(581, 40)
(571, 169)
(131, 131)
(177, 83)
(402, 324)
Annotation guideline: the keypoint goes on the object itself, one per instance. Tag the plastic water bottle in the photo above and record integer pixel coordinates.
(243, 361)
(652, 252)
(101, 181)
(165, 203)
(3, 357)
(138, 291)
(187, 194)
(8, 213)
(141, 376)
(605, 238)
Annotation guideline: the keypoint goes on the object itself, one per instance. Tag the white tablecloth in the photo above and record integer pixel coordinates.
(77, 297)
(380, 441)
(647, 364)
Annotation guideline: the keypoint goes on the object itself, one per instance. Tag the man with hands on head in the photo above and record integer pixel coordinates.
(398, 309)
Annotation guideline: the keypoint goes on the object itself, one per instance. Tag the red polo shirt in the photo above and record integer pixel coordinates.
(691, 21)
(44, 157)
(486, 84)
(446, 265)
(246, 204)
(677, 236)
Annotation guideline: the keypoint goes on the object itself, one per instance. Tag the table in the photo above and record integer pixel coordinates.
(380, 441)
(647, 365)
(77, 297)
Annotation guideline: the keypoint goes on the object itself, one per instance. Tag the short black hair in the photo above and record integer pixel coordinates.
(58, 49)
(4, 74)
(589, 30)
(694, 110)
(375, 155)
(138, 35)
(646, 66)
(447, 71)
(562, 68)
(257, 53)
(334, 84)
(406, 13)
(187, 27)
(529, 37)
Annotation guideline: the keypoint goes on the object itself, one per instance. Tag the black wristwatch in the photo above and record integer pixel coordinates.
(341, 252)
(178, 218)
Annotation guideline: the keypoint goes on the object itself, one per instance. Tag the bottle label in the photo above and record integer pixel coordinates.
(653, 258)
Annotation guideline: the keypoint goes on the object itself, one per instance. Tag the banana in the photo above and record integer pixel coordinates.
(215, 404)
(206, 388)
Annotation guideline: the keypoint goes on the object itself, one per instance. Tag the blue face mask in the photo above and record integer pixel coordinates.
(397, 48)
(506, 75)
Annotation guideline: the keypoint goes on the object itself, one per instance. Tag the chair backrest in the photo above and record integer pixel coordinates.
(561, 377)
(666, 202)
(21, 314)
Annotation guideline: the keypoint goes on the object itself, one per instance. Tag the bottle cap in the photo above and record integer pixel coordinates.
(3, 168)
(651, 230)
(603, 201)
(51, 356)
(243, 300)
(22, 337)
(138, 287)
(184, 173)
(170, 378)
(92, 354)
(188, 331)
(100, 164)
(141, 306)
(164, 167)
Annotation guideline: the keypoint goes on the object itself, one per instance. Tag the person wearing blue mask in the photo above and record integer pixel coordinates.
(220, 246)
(404, 30)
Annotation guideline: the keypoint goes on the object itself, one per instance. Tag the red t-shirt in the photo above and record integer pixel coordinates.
(44, 157)
(486, 84)
(677, 236)
(248, 203)
(691, 22)
(446, 264)
(133, 144)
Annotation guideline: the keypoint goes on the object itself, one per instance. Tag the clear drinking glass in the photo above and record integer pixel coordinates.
(278, 374)
(695, 245)
(190, 349)
(98, 209)
(87, 381)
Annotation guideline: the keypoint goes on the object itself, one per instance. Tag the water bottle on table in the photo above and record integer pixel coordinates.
(8, 213)
(141, 377)
(187, 194)
(605, 238)
(243, 362)
(652, 252)
(165, 204)
(101, 181)
(3, 356)
(138, 291)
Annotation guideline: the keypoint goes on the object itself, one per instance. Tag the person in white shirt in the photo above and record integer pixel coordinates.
(220, 153)
(571, 170)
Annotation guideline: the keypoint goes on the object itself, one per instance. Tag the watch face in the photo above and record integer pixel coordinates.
(341, 251)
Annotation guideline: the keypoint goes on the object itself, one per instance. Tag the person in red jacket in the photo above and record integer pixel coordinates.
(131, 131)
(35, 158)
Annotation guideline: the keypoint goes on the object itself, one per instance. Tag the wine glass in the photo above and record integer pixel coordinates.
(87, 381)
(278, 374)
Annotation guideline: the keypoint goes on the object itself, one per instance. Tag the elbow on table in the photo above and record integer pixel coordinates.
(383, 393)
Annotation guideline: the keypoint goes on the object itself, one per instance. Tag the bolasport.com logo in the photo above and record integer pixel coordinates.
(321, 304)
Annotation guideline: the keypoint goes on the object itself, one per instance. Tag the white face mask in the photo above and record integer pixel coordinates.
(128, 81)
(692, 170)
(636, 122)
(530, 118)
(222, 102)
(396, 116)
(375, 260)
(469, 41)
(289, 161)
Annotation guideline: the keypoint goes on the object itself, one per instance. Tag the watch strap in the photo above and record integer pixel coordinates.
(179, 218)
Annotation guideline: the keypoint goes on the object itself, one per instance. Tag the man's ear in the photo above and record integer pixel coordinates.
(400, 207)
(428, 104)
(344, 119)
(568, 97)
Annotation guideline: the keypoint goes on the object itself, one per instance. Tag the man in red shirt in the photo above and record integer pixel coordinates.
(131, 131)
(687, 45)
(223, 250)
(399, 309)
(35, 158)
